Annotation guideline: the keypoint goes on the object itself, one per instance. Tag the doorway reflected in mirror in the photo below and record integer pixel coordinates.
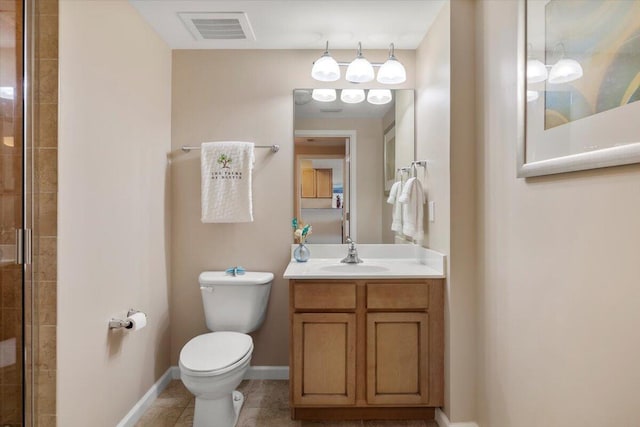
(320, 168)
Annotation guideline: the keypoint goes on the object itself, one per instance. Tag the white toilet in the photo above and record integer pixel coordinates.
(212, 365)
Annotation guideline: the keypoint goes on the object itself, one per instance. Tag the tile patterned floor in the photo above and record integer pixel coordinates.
(266, 405)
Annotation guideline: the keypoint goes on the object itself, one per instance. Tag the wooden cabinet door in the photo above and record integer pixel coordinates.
(324, 358)
(324, 182)
(397, 351)
(308, 183)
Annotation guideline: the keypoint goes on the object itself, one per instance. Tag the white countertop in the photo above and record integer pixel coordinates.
(379, 262)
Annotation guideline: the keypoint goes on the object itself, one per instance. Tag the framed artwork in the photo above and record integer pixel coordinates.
(578, 85)
(389, 151)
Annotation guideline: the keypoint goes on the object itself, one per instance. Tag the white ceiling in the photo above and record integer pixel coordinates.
(300, 24)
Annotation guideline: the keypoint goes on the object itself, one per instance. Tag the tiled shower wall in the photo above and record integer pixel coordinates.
(11, 142)
(41, 197)
(45, 198)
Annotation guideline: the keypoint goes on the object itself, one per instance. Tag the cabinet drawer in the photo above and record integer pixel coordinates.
(322, 296)
(407, 296)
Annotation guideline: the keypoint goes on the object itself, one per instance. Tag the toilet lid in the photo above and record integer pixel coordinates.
(215, 351)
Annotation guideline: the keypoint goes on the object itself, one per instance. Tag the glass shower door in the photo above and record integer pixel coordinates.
(12, 378)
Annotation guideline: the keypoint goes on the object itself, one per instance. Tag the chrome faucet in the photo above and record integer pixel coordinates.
(352, 256)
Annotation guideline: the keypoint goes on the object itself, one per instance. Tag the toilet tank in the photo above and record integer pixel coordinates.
(235, 303)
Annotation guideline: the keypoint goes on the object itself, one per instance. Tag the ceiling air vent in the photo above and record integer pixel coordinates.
(218, 25)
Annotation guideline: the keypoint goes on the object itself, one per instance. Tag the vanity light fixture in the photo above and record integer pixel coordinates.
(379, 96)
(326, 69)
(324, 95)
(563, 71)
(536, 71)
(360, 70)
(6, 92)
(532, 95)
(352, 96)
(392, 71)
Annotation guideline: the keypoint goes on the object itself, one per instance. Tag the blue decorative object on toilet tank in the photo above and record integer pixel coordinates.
(235, 271)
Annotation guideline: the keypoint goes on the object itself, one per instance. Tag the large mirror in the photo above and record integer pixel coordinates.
(346, 157)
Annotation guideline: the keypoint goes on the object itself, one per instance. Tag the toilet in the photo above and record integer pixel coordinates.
(212, 365)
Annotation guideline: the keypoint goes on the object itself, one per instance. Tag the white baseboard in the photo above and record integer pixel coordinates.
(443, 421)
(267, 373)
(146, 401)
(173, 373)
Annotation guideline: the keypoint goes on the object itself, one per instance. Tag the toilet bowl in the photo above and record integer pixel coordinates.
(212, 365)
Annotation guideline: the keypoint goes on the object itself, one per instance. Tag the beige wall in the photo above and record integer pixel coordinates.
(445, 95)
(8, 67)
(241, 95)
(405, 128)
(388, 235)
(461, 305)
(115, 81)
(558, 296)
(402, 117)
(433, 115)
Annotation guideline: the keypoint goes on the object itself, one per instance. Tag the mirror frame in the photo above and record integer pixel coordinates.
(605, 157)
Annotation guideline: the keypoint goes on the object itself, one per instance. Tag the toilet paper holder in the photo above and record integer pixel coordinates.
(123, 323)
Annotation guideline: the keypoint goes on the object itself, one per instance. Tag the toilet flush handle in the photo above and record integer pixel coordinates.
(206, 288)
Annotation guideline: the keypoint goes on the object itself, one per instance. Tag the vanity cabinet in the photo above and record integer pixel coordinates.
(366, 349)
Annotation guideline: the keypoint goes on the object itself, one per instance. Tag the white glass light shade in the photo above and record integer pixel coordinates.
(6, 92)
(324, 95)
(360, 71)
(325, 69)
(565, 70)
(379, 96)
(536, 71)
(532, 95)
(352, 96)
(392, 72)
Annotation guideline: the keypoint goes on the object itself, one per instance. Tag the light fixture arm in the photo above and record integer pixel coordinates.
(558, 50)
(359, 55)
(392, 52)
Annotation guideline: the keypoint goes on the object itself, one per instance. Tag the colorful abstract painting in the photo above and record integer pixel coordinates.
(604, 37)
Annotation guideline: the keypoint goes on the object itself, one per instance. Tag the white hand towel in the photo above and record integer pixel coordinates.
(396, 217)
(226, 181)
(412, 198)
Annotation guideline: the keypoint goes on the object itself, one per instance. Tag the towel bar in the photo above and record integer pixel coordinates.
(274, 148)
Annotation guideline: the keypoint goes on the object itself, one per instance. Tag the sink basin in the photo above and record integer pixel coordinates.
(354, 268)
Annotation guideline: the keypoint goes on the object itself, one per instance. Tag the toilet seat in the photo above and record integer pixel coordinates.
(215, 353)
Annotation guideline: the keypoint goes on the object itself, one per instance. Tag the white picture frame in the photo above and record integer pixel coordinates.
(596, 141)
